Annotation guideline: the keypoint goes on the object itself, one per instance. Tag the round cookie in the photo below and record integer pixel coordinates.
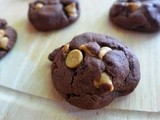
(8, 37)
(92, 70)
(47, 15)
(139, 15)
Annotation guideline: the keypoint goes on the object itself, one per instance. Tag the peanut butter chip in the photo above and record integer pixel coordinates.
(103, 51)
(4, 43)
(2, 33)
(74, 58)
(134, 6)
(38, 6)
(104, 81)
(85, 49)
(71, 10)
(66, 48)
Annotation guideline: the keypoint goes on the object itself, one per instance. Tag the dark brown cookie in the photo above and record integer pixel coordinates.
(139, 15)
(8, 37)
(92, 70)
(47, 15)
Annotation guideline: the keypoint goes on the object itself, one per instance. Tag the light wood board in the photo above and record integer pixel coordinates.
(27, 69)
(20, 106)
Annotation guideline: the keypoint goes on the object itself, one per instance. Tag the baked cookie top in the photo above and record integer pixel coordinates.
(139, 15)
(92, 70)
(8, 38)
(47, 15)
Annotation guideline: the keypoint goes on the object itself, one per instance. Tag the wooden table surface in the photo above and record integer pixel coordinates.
(26, 90)
(19, 106)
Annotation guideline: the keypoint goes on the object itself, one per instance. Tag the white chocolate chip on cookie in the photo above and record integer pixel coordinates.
(104, 81)
(38, 6)
(85, 49)
(4, 43)
(103, 51)
(66, 48)
(71, 10)
(134, 6)
(2, 33)
(74, 58)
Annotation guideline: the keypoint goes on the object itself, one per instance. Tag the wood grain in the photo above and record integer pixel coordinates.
(27, 69)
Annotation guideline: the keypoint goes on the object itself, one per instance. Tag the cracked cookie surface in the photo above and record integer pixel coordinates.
(92, 70)
(47, 15)
(139, 15)
(8, 37)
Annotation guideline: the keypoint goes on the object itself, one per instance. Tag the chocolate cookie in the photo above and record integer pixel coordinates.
(8, 37)
(47, 15)
(92, 70)
(139, 15)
